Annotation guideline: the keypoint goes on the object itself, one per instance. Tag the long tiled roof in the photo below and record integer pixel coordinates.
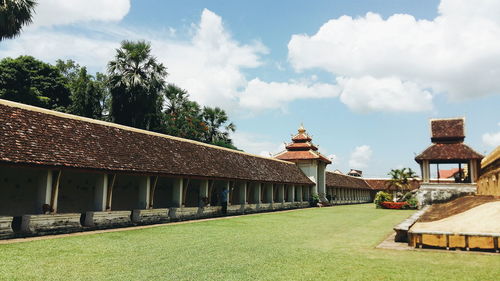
(443, 152)
(344, 181)
(38, 137)
(383, 184)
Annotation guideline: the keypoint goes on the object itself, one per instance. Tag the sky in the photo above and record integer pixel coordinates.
(364, 77)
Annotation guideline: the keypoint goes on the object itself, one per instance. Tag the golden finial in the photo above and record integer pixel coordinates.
(302, 129)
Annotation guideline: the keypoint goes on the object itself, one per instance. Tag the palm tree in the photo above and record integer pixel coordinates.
(215, 118)
(136, 81)
(13, 15)
(401, 179)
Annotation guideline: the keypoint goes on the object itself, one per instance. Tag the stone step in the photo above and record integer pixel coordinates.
(107, 219)
(150, 216)
(51, 223)
(6, 227)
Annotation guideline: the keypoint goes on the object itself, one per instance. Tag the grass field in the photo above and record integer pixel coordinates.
(311, 244)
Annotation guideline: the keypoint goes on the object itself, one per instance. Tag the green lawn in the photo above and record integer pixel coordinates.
(312, 244)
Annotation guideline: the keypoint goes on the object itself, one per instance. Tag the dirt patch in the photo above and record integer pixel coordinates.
(457, 206)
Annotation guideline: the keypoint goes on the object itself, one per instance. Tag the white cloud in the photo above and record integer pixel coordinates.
(256, 144)
(492, 139)
(390, 94)
(61, 12)
(360, 157)
(457, 53)
(210, 65)
(260, 95)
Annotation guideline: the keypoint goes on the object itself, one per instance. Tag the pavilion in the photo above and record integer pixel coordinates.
(447, 137)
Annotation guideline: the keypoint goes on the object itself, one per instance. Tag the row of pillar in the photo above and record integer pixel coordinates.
(263, 192)
(339, 195)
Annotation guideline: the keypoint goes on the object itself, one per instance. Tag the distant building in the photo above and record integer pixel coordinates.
(355, 173)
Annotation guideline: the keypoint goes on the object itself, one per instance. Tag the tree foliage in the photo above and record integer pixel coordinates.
(135, 94)
(14, 14)
(401, 179)
(30, 81)
(136, 81)
(88, 94)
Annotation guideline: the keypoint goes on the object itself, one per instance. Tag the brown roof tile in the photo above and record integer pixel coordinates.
(38, 137)
(448, 152)
(339, 180)
(447, 129)
(383, 184)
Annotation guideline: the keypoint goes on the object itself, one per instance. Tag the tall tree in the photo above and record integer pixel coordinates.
(87, 92)
(183, 117)
(136, 80)
(14, 14)
(218, 128)
(30, 81)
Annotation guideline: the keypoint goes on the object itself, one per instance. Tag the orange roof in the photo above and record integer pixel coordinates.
(446, 174)
(302, 155)
(301, 146)
(302, 149)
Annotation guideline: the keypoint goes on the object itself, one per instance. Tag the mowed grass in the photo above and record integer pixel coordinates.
(335, 243)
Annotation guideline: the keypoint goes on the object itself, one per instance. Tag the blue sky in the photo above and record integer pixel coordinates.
(364, 77)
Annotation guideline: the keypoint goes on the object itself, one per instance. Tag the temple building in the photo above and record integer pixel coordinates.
(305, 154)
(64, 173)
(447, 137)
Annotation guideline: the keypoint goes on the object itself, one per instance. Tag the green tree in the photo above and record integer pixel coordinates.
(182, 116)
(30, 81)
(13, 15)
(136, 81)
(218, 126)
(87, 92)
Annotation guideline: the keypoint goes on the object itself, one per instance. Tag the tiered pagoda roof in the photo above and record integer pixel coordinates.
(447, 136)
(301, 148)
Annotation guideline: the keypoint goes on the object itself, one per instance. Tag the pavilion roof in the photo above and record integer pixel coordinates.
(383, 184)
(301, 148)
(447, 130)
(448, 153)
(345, 181)
(32, 136)
(302, 155)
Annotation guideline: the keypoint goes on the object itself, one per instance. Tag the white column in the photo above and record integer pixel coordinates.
(299, 193)
(101, 192)
(227, 186)
(144, 192)
(44, 190)
(281, 193)
(204, 190)
(426, 171)
(269, 192)
(243, 193)
(177, 192)
(291, 193)
(257, 193)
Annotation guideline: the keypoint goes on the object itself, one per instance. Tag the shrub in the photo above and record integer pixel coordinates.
(313, 202)
(412, 203)
(382, 197)
(393, 205)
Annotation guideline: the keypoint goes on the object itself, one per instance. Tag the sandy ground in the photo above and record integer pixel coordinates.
(484, 218)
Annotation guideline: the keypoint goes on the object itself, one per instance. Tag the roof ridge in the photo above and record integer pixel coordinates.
(127, 128)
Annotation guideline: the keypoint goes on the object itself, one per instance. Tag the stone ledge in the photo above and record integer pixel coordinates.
(236, 209)
(6, 227)
(107, 219)
(53, 223)
(209, 211)
(149, 216)
(403, 227)
(183, 213)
